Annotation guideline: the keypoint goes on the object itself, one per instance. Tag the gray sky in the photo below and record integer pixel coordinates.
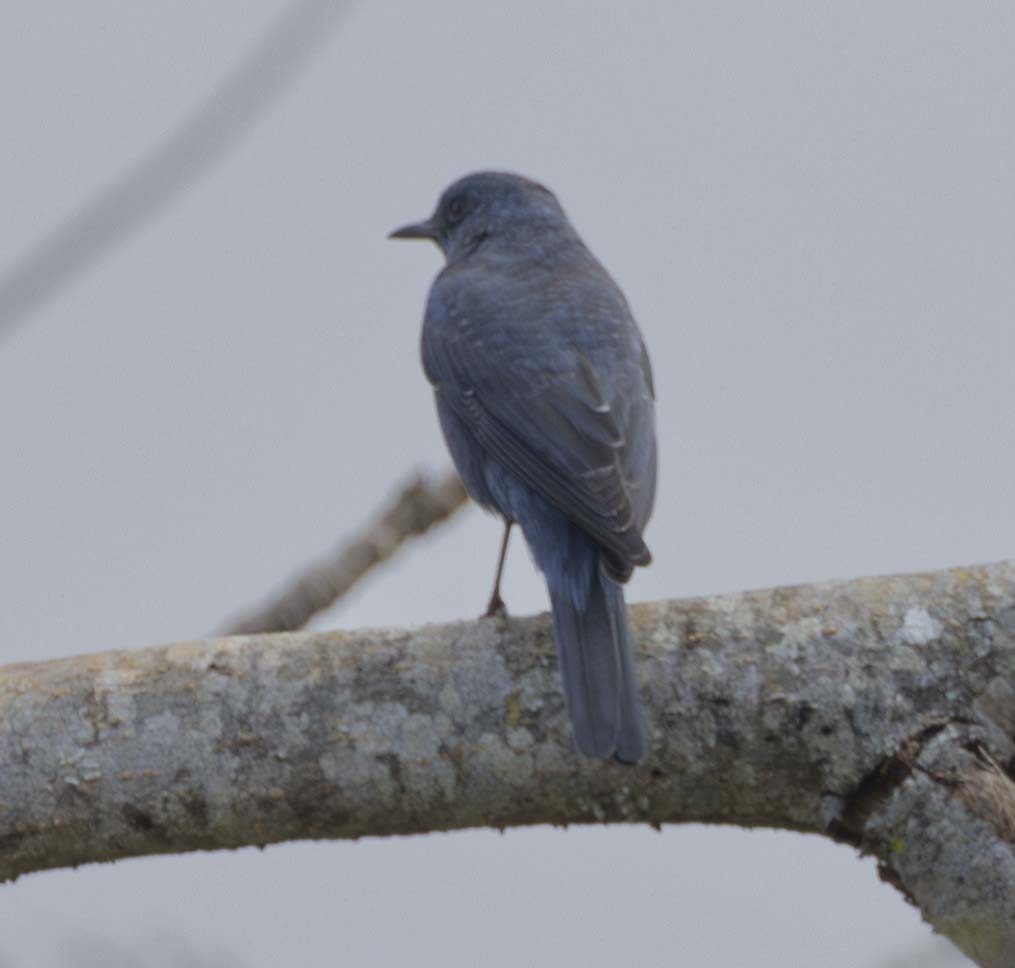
(811, 210)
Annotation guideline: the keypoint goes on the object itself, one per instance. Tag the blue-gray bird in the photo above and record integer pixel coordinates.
(544, 393)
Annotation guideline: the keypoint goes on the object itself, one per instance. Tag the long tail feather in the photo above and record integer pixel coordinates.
(594, 650)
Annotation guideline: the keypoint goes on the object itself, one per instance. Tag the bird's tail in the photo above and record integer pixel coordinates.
(594, 650)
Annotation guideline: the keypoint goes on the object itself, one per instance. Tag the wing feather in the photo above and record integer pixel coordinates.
(547, 417)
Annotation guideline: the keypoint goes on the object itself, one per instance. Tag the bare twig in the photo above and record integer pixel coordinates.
(206, 135)
(876, 712)
(420, 505)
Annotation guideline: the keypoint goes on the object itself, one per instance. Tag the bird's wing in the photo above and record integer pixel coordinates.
(543, 414)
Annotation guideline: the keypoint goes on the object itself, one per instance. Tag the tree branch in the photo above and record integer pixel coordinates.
(880, 712)
(417, 508)
(142, 190)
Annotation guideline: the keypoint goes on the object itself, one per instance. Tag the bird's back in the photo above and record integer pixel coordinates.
(544, 327)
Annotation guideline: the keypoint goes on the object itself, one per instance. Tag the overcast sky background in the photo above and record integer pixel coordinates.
(811, 208)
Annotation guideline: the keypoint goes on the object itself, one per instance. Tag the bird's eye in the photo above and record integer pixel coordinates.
(456, 209)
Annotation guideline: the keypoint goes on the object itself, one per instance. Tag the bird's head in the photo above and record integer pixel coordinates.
(488, 206)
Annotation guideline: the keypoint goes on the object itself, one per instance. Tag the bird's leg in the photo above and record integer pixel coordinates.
(496, 605)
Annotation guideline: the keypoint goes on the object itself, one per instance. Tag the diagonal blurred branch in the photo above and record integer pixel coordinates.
(420, 505)
(178, 161)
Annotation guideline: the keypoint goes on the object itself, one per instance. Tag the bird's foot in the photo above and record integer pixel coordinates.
(496, 608)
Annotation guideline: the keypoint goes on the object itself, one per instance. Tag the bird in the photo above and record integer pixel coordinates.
(545, 397)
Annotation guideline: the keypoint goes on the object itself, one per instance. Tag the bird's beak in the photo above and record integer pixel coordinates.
(418, 230)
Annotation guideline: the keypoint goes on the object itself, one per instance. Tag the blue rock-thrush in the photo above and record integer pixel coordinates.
(544, 393)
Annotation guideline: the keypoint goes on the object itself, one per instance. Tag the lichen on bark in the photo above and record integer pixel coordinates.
(880, 712)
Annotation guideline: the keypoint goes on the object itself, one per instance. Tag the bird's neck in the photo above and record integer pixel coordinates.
(521, 244)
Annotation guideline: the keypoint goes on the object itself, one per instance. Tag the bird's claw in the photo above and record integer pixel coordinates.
(496, 608)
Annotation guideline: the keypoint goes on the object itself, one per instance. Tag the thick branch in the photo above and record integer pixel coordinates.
(417, 508)
(880, 712)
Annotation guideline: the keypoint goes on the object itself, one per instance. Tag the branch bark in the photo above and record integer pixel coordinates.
(879, 712)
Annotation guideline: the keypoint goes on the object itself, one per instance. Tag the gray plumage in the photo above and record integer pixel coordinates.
(544, 393)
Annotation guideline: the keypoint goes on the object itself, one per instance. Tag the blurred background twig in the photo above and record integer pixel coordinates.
(414, 510)
(215, 127)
